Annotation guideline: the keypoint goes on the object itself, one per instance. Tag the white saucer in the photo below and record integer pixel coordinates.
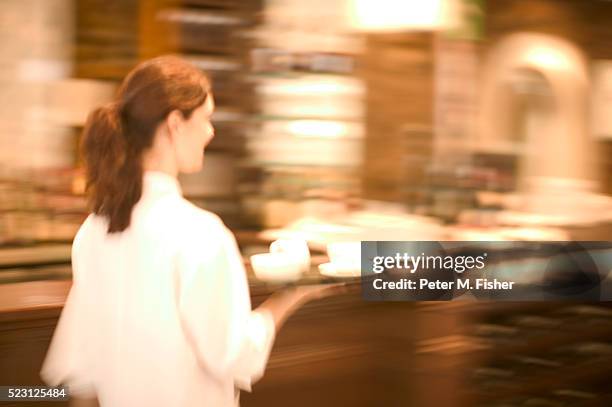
(338, 271)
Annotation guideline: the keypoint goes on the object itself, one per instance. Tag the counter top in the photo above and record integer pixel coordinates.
(33, 295)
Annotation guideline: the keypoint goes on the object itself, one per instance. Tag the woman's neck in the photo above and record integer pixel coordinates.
(155, 161)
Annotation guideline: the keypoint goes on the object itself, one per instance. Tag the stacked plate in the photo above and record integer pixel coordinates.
(345, 260)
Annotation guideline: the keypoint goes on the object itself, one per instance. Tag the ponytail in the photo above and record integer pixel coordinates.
(113, 168)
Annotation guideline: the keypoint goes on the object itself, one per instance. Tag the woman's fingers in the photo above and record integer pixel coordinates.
(317, 291)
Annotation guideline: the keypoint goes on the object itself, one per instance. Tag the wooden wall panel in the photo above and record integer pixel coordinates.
(398, 72)
(106, 38)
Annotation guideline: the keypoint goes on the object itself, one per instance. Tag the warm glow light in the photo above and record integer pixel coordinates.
(548, 58)
(390, 15)
(317, 128)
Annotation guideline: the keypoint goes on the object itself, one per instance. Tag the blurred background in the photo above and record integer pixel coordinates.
(340, 120)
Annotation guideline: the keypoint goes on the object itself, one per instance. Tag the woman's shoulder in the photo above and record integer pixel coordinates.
(197, 232)
(191, 214)
(89, 226)
(186, 220)
(168, 215)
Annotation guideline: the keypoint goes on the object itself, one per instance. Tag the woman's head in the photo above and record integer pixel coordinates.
(160, 119)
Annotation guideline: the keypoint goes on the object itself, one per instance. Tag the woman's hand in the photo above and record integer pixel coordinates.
(319, 291)
(282, 304)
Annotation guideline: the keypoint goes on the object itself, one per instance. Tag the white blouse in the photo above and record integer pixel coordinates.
(159, 314)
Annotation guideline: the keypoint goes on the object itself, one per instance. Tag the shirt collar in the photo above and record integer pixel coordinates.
(160, 183)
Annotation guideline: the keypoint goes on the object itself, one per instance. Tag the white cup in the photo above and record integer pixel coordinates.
(296, 248)
(276, 267)
(346, 255)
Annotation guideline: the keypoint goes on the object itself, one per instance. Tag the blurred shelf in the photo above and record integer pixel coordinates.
(18, 275)
(32, 255)
(225, 4)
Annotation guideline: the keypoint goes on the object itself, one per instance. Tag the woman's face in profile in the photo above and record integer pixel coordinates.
(195, 134)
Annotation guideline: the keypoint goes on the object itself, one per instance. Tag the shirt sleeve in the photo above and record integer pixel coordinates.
(228, 338)
(67, 359)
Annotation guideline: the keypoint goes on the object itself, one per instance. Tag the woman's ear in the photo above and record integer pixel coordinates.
(175, 123)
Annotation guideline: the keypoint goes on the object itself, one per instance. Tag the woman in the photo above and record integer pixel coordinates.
(159, 311)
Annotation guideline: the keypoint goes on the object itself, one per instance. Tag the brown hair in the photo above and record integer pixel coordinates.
(116, 135)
